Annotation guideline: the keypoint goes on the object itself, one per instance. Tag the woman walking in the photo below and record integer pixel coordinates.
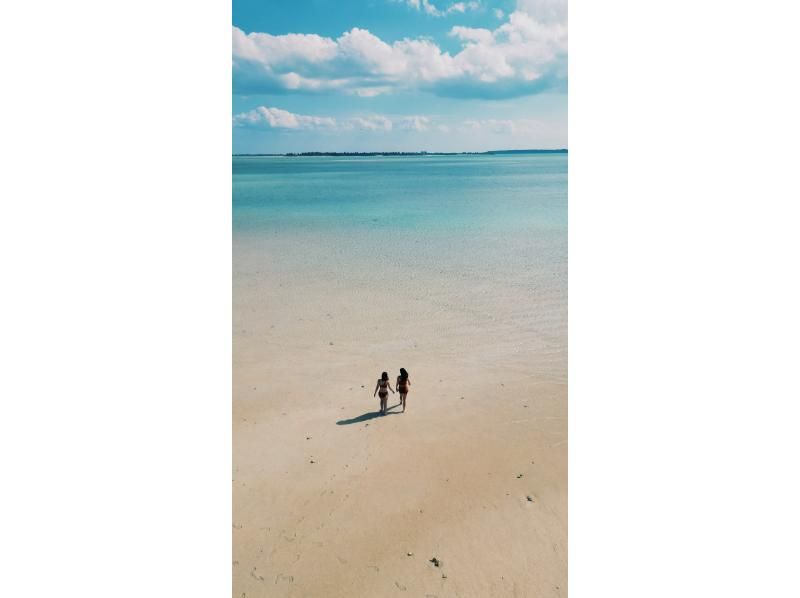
(403, 386)
(382, 389)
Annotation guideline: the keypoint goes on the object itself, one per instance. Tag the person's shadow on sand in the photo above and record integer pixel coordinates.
(367, 416)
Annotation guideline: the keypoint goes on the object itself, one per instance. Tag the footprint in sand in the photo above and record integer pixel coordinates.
(342, 560)
(401, 586)
(286, 578)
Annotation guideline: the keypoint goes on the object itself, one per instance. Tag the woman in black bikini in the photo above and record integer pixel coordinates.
(384, 388)
(402, 386)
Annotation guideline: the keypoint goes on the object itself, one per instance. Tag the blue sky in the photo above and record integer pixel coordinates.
(399, 75)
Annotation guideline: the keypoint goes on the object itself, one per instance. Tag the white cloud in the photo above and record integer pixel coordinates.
(472, 34)
(526, 54)
(265, 117)
(522, 126)
(268, 118)
(545, 11)
(275, 118)
(429, 8)
(371, 92)
(414, 123)
(462, 7)
(369, 123)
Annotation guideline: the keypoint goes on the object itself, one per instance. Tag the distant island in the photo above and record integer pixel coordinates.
(489, 153)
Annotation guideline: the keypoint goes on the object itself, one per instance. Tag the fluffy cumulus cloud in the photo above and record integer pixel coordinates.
(429, 8)
(265, 117)
(275, 118)
(526, 54)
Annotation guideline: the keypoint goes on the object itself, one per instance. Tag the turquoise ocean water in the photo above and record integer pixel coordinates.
(457, 194)
(471, 249)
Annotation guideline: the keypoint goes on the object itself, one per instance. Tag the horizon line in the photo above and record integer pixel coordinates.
(402, 153)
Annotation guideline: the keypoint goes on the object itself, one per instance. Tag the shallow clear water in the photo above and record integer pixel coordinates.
(470, 250)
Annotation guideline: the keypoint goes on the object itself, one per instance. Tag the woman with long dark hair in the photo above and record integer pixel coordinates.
(403, 386)
(384, 387)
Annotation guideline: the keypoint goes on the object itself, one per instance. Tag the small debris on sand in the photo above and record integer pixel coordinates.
(312, 461)
(331, 343)
(436, 562)
(254, 575)
(519, 476)
(308, 437)
(530, 499)
(409, 554)
(400, 586)
(444, 575)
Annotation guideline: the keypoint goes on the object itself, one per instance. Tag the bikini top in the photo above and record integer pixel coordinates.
(383, 383)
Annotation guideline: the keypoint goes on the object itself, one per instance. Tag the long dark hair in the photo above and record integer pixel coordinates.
(384, 376)
(403, 374)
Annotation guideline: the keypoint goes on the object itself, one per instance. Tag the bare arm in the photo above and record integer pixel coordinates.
(377, 384)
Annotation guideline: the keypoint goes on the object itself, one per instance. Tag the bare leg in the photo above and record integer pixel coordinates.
(403, 401)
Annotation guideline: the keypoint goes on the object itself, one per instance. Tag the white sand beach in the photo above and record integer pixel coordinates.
(332, 501)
